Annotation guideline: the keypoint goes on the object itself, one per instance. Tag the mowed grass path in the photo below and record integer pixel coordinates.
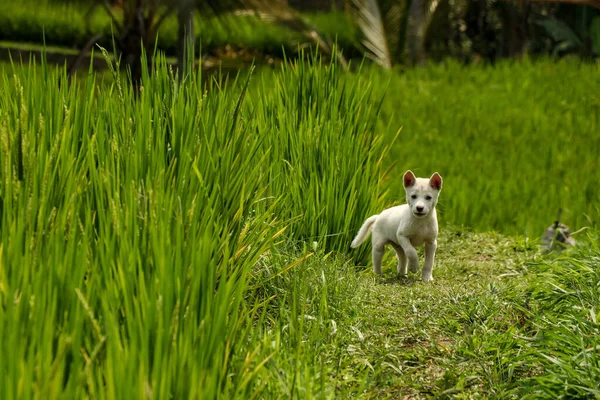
(499, 321)
(416, 340)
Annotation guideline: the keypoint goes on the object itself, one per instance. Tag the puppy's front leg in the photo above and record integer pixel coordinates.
(430, 247)
(411, 253)
(401, 260)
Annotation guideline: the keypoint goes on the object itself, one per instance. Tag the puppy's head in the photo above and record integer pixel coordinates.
(422, 193)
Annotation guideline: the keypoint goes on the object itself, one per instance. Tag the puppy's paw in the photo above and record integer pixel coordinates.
(413, 268)
(402, 271)
(427, 278)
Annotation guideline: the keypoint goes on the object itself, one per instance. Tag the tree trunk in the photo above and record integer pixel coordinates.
(514, 22)
(185, 36)
(132, 43)
(415, 32)
(420, 15)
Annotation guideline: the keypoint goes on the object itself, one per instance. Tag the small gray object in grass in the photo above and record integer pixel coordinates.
(557, 236)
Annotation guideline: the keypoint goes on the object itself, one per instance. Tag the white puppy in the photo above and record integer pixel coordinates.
(406, 226)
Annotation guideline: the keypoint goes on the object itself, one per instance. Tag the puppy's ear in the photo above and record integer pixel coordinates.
(409, 179)
(436, 181)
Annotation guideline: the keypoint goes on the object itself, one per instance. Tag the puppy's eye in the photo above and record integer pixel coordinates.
(427, 197)
(414, 196)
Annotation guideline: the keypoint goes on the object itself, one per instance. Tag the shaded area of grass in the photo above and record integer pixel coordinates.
(499, 321)
(70, 26)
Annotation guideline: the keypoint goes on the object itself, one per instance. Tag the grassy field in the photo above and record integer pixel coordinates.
(522, 136)
(191, 241)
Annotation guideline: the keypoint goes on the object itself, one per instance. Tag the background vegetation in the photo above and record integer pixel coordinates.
(388, 31)
(72, 25)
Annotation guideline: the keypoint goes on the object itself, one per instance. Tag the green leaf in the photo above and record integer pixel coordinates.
(562, 34)
(371, 21)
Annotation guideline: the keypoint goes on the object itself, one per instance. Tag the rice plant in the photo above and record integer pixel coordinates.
(135, 222)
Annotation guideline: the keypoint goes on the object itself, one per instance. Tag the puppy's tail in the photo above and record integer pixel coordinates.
(364, 231)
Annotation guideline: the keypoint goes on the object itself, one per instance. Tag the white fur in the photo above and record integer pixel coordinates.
(407, 226)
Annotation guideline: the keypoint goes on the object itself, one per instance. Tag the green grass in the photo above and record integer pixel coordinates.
(514, 142)
(498, 322)
(133, 225)
(191, 240)
(565, 340)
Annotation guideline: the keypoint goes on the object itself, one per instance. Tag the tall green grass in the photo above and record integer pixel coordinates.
(323, 172)
(534, 338)
(565, 345)
(143, 242)
(514, 142)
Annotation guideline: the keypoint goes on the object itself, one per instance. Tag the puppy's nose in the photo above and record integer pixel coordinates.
(420, 208)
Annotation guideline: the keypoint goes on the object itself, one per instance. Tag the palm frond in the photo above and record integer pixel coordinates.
(394, 29)
(567, 40)
(372, 24)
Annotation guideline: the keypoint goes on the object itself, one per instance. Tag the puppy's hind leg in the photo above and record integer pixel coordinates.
(377, 252)
(402, 270)
(377, 257)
